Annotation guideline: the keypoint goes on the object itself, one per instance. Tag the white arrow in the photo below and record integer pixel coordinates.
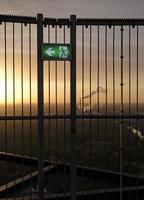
(50, 51)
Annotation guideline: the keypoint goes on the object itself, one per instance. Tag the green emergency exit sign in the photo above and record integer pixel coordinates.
(54, 51)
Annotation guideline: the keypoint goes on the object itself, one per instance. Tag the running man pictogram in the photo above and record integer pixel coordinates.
(63, 52)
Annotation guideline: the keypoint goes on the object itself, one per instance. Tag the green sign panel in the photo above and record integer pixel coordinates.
(51, 51)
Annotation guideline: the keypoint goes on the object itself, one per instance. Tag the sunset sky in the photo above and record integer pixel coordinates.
(82, 8)
(64, 8)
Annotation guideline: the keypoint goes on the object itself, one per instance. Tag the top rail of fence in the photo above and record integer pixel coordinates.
(79, 21)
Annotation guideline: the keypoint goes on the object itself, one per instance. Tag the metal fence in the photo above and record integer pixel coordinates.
(71, 129)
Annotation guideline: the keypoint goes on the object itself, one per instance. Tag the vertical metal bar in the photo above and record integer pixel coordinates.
(56, 110)
(129, 90)
(137, 102)
(30, 98)
(40, 108)
(90, 101)
(5, 38)
(6, 109)
(22, 107)
(73, 106)
(56, 104)
(113, 98)
(14, 112)
(98, 72)
(64, 39)
(14, 84)
(83, 85)
(106, 105)
(83, 73)
(98, 99)
(137, 72)
(49, 100)
(90, 88)
(49, 86)
(121, 124)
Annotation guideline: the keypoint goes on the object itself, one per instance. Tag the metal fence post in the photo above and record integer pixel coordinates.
(73, 106)
(40, 108)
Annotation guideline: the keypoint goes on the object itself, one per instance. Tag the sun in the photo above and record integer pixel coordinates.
(6, 91)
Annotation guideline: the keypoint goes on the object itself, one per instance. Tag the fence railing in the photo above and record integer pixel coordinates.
(71, 129)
